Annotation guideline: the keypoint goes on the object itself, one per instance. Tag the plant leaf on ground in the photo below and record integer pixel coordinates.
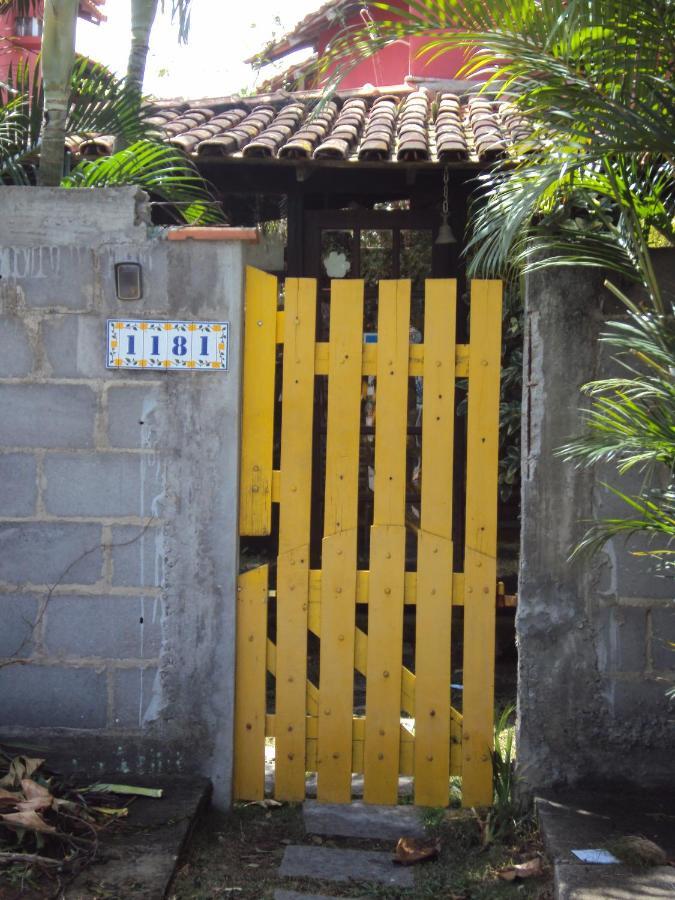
(49, 829)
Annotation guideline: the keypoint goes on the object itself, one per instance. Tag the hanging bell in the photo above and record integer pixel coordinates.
(445, 235)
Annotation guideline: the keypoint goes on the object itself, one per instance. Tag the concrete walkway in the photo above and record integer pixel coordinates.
(139, 859)
(592, 820)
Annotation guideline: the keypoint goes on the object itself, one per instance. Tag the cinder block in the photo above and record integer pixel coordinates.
(52, 697)
(198, 274)
(50, 553)
(74, 218)
(47, 415)
(643, 699)
(107, 627)
(75, 346)
(137, 697)
(134, 414)
(18, 486)
(622, 639)
(104, 484)
(663, 638)
(16, 354)
(138, 556)
(638, 575)
(50, 276)
(18, 613)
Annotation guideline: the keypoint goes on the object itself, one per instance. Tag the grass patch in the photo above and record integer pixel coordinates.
(243, 851)
(467, 870)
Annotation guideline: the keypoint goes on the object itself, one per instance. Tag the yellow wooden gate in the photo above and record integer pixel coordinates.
(409, 727)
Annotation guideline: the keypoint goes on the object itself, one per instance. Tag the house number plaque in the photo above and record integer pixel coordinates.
(171, 346)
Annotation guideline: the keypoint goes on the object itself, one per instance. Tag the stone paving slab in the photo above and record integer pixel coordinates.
(590, 819)
(333, 864)
(598, 882)
(583, 819)
(360, 820)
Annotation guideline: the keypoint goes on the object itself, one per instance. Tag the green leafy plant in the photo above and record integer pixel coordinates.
(58, 58)
(631, 424)
(502, 819)
(100, 104)
(591, 182)
(159, 169)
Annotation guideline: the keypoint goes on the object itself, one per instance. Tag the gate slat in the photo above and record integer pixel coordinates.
(249, 698)
(434, 563)
(480, 566)
(338, 582)
(257, 424)
(387, 548)
(294, 532)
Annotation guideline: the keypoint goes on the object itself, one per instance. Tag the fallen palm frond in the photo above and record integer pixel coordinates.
(50, 828)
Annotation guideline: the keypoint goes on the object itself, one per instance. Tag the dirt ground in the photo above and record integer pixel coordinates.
(238, 856)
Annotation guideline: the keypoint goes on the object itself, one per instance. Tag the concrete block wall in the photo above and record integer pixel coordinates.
(594, 660)
(118, 492)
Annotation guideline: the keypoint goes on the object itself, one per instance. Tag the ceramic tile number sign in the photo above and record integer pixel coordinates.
(171, 346)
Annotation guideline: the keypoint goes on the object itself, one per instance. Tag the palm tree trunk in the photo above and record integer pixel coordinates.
(58, 58)
(142, 17)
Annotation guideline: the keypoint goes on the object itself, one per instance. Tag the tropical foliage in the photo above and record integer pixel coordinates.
(631, 424)
(100, 104)
(164, 172)
(60, 103)
(143, 14)
(592, 185)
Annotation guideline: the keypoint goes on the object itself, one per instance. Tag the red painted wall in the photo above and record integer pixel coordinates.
(394, 63)
(13, 48)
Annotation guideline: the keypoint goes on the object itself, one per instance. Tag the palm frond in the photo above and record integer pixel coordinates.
(631, 425)
(20, 7)
(101, 104)
(594, 80)
(181, 11)
(162, 171)
(651, 516)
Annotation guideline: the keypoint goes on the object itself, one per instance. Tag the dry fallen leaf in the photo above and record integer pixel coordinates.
(529, 869)
(32, 789)
(267, 803)
(20, 767)
(415, 850)
(35, 804)
(29, 820)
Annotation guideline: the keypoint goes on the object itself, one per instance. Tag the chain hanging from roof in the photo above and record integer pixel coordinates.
(445, 233)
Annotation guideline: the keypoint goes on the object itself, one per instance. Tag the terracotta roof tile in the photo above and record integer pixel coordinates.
(451, 142)
(413, 127)
(403, 125)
